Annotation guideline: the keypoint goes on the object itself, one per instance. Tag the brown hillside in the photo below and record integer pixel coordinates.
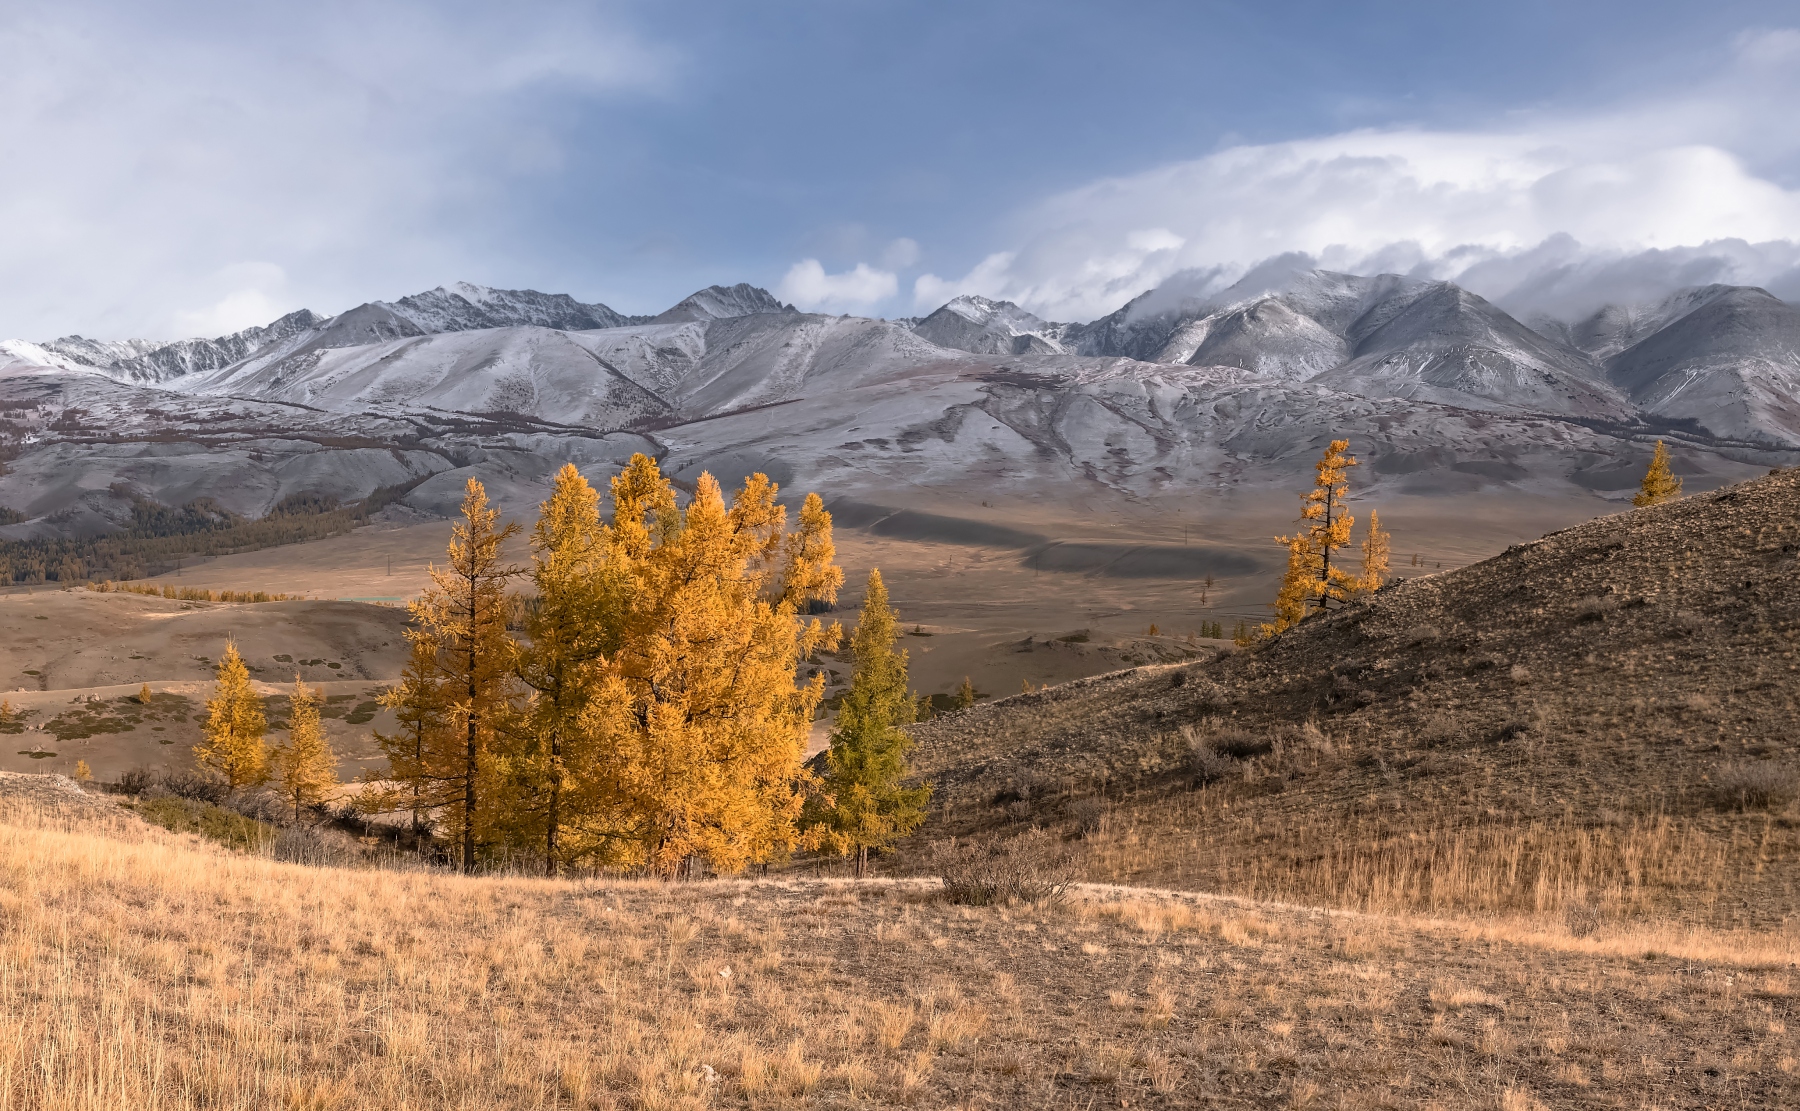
(1601, 719)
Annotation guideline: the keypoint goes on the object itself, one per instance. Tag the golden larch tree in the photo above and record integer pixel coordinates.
(1298, 583)
(305, 767)
(1325, 515)
(573, 625)
(1660, 484)
(462, 616)
(422, 753)
(1374, 556)
(234, 726)
(867, 805)
(700, 722)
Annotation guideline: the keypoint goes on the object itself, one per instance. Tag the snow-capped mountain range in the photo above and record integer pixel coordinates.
(1440, 391)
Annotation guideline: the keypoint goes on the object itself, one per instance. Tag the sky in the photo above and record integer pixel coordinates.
(190, 168)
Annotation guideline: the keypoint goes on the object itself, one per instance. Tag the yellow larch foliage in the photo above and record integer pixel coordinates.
(234, 726)
(305, 767)
(421, 753)
(1325, 516)
(699, 726)
(574, 624)
(1660, 484)
(461, 618)
(1298, 585)
(1374, 557)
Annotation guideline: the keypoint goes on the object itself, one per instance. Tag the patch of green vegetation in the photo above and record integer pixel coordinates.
(35, 674)
(75, 725)
(12, 727)
(284, 658)
(36, 753)
(364, 712)
(216, 823)
(1074, 638)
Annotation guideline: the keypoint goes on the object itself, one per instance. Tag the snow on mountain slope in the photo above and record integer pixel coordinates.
(539, 372)
(1267, 337)
(1731, 365)
(1612, 328)
(984, 327)
(188, 356)
(719, 302)
(18, 356)
(456, 308)
(1451, 347)
(99, 352)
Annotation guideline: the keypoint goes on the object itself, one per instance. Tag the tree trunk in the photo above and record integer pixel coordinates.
(468, 837)
(555, 801)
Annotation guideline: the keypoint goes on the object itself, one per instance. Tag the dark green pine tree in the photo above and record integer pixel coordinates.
(866, 768)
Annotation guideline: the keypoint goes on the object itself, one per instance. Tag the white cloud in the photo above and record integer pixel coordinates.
(151, 148)
(1582, 193)
(808, 286)
(900, 254)
(254, 293)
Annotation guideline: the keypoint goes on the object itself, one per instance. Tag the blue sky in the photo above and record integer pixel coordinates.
(181, 168)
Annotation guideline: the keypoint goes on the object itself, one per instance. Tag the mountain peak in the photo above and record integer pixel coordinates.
(722, 302)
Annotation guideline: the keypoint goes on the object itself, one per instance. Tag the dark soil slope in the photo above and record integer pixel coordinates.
(1614, 699)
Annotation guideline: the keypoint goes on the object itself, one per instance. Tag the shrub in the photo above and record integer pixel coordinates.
(184, 815)
(1091, 815)
(1424, 634)
(195, 785)
(1207, 765)
(1581, 919)
(1513, 729)
(1595, 607)
(1439, 732)
(1241, 744)
(1027, 869)
(1756, 784)
(136, 781)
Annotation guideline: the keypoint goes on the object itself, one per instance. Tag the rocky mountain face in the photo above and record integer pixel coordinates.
(461, 307)
(983, 327)
(1441, 393)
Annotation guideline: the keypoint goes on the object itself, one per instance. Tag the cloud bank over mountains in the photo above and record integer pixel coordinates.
(1626, 203)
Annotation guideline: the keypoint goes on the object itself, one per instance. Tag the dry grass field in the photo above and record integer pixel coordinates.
(1601, 720)
(140, 969)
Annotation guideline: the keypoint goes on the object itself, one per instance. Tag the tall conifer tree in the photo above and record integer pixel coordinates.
(305, 767)
(234, 726)
(575, 622)
(463, 617)
(866, 765)
(422, 752)
(699, 720)
(1660, 484)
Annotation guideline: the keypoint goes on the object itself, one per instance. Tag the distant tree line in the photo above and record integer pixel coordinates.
(157, 536)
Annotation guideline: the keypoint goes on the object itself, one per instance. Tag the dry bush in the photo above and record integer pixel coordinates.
(1595, 607)
(1090, 815)
(1421, 634)
(1241, 744)
(1030, 869)
(190, 784)
(1756, 784)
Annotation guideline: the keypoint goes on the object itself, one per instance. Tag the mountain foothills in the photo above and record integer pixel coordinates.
(1440, 392)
